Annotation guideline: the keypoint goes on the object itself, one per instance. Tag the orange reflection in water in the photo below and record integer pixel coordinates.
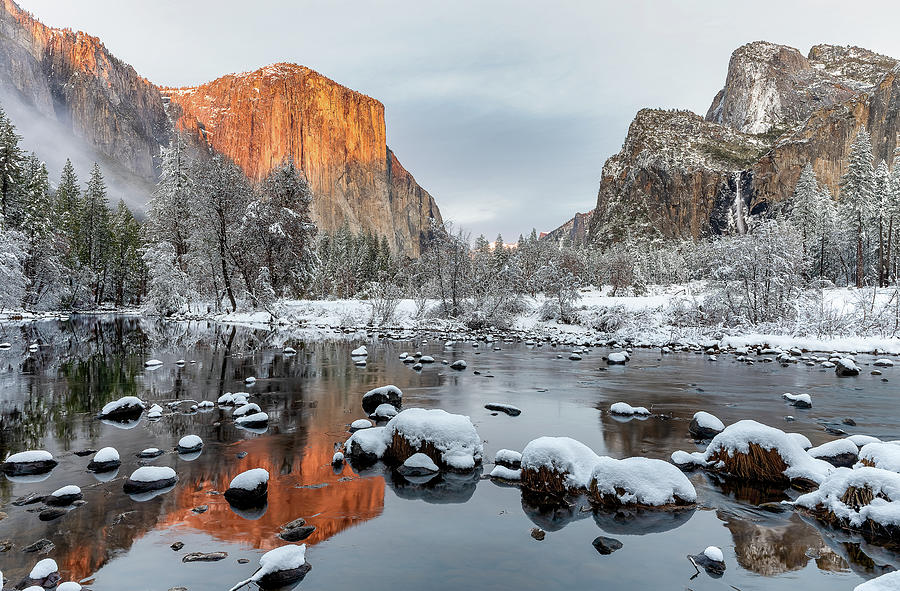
(311, 490)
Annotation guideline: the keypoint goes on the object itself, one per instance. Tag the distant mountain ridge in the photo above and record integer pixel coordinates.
(63, 87)
(679, 175)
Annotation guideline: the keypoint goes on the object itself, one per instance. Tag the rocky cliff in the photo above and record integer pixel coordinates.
(574, 231)
(71, 79)
(70, 96)
(684, 176)
(334, 134)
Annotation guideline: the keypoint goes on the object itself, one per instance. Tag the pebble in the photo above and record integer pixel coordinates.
(177, 546)
(538, 534)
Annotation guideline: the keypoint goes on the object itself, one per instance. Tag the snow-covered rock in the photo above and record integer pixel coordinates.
(152, 363)
(127, 407)
(248, 489)
(845, 367)
(367, 446)
(626, 410)
(384, 412)
(840, 452)
(30, 462)
(69, 586)
(509, 458)
(44, 574)
(105, 460)
(861, 440)
(798, 400)
(557, 465)
(418, 464)
(64, 496)
(359, 424)
(883, 363)
(801, 440)
(149, 478)
(337, 460)
(279, 568)
(504, 473)
(639, 481)
(150, 452)
(711, 559)
(459, 365)
(383, 395)
(451, 437)
(705, 425)
(509, 409)
(255, 420)
(250, 380)
(246, 409)
(426, 359)
(616, 358)
(359, 352)
(189, 444)
(881, 455)
(862, 499)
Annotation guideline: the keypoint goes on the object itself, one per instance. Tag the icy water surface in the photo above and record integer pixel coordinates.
(373, 529)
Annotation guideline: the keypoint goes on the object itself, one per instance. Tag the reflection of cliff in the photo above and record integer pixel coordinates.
(776, 549)
(332, 508)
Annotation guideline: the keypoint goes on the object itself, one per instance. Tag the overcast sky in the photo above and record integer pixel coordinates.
(504, 111)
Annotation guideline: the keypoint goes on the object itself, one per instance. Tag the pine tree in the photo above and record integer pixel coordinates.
(12, 258)
(124, 256)
(10, 172)
(40, 225)
(94, 233)
(170, 215)
(857, 198)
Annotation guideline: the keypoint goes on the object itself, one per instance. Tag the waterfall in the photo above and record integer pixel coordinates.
(737, 207)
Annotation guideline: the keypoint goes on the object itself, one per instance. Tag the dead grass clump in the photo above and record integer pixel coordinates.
(857, 498)
(544, 480)
(759, 464)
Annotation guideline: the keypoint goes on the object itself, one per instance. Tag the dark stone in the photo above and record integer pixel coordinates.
(698, 432)
(284, 578)
(177, 546)
(296, 533)
(189, 450)
(104, 466)
(134, 487)
(42, 546)
(835, 431)
(373, 401)
(123, 413)
(712, 567)
(243, 560)
(513, 412)
(241, 455)
(49, 582)
(28, 468)
(63, 500)
(845, 372)
(201, 509)
(245, 499)
(146, 456)
(538, 534)
(204, 556)
(28, 499)
(85, 452)
(605, 545)
(850, 422)
(50, 514)
(845, 460)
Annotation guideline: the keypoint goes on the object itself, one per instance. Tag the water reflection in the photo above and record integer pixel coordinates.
(50, 399)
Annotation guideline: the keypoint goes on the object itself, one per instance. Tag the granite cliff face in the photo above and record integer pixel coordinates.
(574, 231)
(70, 96)
(71, 79)
(334, 134)
(778, 111)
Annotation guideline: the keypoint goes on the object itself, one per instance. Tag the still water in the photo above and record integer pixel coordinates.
(373, 529)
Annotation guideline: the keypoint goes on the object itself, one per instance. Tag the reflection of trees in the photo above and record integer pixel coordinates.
(638, 437)
(774, 549)
(57, 392)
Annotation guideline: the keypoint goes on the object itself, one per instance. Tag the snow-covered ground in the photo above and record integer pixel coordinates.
(843, 319)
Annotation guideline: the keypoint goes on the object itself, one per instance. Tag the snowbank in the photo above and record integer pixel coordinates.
(450, 437)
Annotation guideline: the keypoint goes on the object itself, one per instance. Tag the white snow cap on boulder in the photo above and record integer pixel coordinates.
(641, 481)
(454, 436)
(563, 455)
(250, 479)
(385, 411)
(36, 455)
(360, 351)
(881, 455)
(152, 474)
(886, 582)
(124, 404)
(43, 569)
(714, 553)
(625, 409)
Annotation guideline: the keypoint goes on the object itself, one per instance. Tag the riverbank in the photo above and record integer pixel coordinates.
(835, 319)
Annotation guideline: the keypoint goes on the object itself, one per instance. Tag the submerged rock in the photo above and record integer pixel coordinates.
(606, 546)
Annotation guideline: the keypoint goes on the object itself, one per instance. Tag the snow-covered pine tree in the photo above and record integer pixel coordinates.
(170, 216)
(94, 233)
(126, 266)
(10, 172)
(44, 237)
(12, 262)
(857, 198)
(279, 223)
